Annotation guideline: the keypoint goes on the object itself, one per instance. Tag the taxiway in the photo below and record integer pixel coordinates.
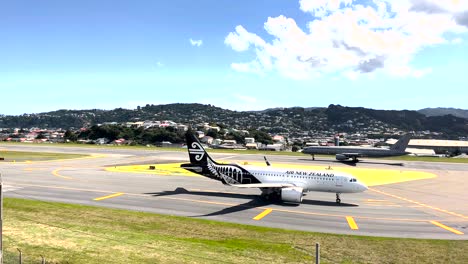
(434, 207)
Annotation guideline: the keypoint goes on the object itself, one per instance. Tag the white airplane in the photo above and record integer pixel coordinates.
(288, 185)
(344, 152)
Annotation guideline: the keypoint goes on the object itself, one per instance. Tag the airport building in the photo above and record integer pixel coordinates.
(439, 146)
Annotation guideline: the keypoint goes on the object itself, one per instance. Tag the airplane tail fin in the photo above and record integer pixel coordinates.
(201, 163)
(402, 143)
(198, 155)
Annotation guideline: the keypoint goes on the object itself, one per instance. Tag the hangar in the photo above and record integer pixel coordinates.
(439, 146)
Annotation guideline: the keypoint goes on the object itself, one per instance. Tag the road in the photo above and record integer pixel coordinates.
(430, 208)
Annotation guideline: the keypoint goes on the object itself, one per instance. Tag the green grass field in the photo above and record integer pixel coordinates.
(20, 156)
(66, 233)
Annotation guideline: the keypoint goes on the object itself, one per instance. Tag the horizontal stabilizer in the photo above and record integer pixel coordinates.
(191, 167)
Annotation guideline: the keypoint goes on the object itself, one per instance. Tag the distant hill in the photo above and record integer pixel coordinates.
(440, 111)
(293, 121)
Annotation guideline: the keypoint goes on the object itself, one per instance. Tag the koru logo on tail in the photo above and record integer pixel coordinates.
(197, 150)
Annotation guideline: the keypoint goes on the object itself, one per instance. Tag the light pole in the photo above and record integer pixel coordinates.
(1, 219)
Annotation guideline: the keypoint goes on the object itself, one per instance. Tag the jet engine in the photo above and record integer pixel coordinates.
(341, 157)
(292, 194)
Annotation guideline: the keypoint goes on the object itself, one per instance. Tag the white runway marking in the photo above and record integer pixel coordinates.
(10, 188)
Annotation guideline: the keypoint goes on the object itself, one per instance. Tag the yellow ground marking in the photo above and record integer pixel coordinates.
(263, 214)
(160, 169)
(370, 177)
(446, 227)
(69, 188)
(92, 156)
(108, 196)
(56, 173)
(225, 204)
(352, 224)
(420, 204)
(373, 202)
(33, 169)
(387, 205)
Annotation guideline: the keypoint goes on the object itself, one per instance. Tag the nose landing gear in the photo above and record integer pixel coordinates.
(338, 200)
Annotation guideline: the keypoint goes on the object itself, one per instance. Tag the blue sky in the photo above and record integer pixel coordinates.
(241, 55)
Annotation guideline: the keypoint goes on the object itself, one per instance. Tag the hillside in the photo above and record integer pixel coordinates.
(295, 121)
(440, 111)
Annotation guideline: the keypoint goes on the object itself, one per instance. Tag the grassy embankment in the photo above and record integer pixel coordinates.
(66, 233)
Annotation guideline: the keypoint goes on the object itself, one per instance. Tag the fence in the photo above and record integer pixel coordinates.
(18, 257)
(12, 258)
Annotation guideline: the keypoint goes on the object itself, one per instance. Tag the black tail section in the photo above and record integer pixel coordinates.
(198, 156)
(197, 153)
(201, 163)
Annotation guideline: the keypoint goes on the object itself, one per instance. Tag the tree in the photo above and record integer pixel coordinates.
(156, 135)
(70, 136)
(261, 136)
(212, 133)
(238, 137)
(107, 131)
(40, 136)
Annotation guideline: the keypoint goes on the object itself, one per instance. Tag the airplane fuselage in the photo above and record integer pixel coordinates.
(316, 180)
(360, 151)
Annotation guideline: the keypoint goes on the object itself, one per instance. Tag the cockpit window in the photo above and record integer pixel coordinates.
(352, 180)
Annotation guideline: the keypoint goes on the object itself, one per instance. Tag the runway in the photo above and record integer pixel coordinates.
(427, 208)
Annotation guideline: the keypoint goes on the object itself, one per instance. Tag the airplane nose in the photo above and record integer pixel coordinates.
(364, 187)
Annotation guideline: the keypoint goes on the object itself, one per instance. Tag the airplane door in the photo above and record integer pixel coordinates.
(339, 181)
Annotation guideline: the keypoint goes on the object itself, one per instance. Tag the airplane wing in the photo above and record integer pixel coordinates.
(264, 185)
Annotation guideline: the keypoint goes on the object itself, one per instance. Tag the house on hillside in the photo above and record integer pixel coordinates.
(200, 134)
(119, 141)
(207, 140)
(101, 141)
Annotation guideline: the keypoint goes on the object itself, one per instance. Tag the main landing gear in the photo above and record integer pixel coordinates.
(313, 157)
(338, 200)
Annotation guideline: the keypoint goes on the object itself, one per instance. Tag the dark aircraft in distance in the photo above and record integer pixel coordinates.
(344, 152)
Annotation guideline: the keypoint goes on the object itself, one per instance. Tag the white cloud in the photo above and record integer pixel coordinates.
(457, 41)
(421, 73)
(320, 8)
(241, 39)
(349, 38)
(196, 43)
(352, 75)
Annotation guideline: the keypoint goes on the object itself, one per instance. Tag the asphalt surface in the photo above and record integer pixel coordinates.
(434, 208)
